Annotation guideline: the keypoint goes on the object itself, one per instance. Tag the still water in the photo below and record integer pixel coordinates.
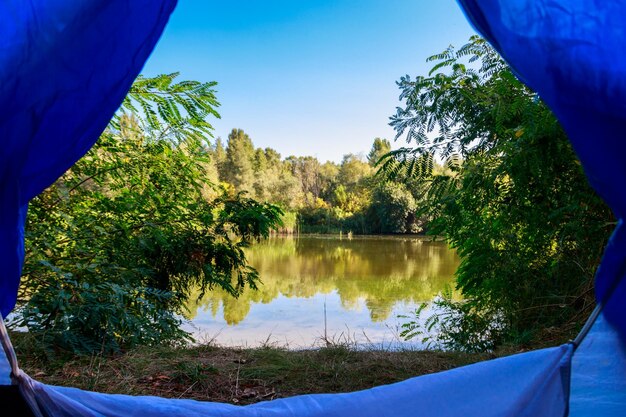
(317, 288)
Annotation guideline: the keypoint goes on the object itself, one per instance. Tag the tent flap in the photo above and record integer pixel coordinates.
(598, 386)
(65, 67)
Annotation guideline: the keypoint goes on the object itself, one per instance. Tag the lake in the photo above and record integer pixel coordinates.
(316, 288)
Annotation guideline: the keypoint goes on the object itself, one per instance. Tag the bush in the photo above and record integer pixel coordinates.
(513, 201)
(115, 247)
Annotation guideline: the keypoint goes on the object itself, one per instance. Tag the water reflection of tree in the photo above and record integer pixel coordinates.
(379, 271)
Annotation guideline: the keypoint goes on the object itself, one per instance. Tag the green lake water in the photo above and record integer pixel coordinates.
(316, 287)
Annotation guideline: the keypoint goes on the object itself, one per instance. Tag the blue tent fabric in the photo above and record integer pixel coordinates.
(65, 66)
(5, 369)
(598, 386)
(530, 384)
(570, 53)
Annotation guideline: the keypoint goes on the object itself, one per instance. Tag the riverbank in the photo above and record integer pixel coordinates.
(238, 376)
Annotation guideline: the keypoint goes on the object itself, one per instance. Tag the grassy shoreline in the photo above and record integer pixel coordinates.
(234, 375)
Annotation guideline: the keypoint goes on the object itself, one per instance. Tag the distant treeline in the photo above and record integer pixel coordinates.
(320, 197)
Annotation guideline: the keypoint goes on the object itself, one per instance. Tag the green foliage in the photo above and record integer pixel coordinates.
(307, 171)
(353, 171)
(92, 317)
(512, 199)
(320, 220)
(177, 111)
(380, 147)
(289, 221)
(117, 245)
(327, 198)
(454, 325)
(393, 209)
(238, 168)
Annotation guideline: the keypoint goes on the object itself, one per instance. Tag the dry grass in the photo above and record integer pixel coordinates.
(239, 376)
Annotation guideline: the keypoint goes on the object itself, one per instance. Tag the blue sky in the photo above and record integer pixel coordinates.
(307, 77)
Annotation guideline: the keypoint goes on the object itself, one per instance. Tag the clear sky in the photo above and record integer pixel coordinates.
(307, 77)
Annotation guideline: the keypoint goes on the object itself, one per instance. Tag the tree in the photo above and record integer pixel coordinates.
(353, 170)
(324, 197)
(218, 154)
(272, 156)
(307, 170)
(239, 162)
(393, 209)
(118, 244)
(380, 147)
(512, 199)
(329, 172)
(260, 161)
